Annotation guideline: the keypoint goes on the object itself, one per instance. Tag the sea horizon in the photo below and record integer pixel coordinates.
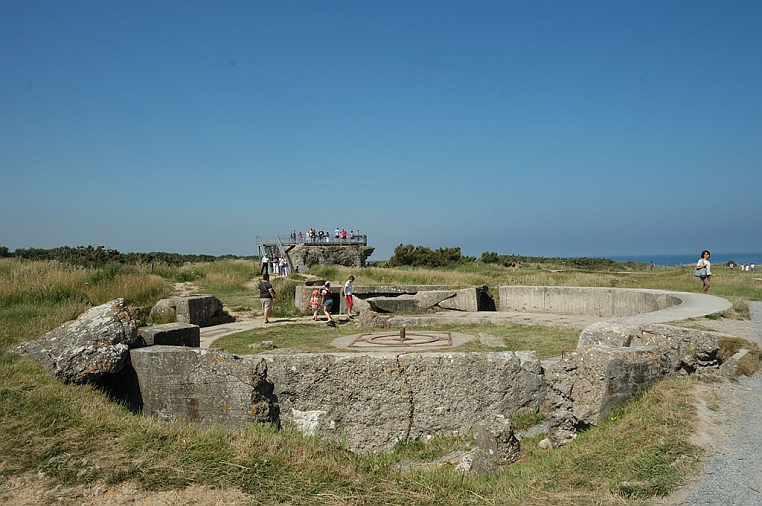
(691, 258)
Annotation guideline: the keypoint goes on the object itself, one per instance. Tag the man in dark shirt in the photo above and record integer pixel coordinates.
(267, 296)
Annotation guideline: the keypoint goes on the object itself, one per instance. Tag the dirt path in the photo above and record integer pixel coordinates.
(729, 427)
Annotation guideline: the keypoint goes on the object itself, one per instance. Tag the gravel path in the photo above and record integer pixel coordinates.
(733, 475)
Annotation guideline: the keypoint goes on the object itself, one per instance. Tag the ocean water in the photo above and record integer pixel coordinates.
(692, 258)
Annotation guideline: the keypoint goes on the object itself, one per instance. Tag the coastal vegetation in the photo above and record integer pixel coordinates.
(75, 436)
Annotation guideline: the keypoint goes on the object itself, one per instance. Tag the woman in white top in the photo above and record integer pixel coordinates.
(347, 292)
(702, 263)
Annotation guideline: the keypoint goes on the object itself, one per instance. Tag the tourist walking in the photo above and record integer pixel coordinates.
(347, 292)
(265, 264)
(704, 270)
(266, 296)
(327, 302)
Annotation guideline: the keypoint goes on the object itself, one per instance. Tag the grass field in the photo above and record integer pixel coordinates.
(74, 436)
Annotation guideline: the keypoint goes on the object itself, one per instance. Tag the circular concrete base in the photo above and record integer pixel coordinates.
(401, 340)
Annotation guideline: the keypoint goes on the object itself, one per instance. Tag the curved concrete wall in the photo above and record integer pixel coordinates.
(593, 301)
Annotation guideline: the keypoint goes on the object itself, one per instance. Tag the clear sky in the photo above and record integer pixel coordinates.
(549, 128)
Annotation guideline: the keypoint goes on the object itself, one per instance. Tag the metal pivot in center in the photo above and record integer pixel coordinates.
(402, 335)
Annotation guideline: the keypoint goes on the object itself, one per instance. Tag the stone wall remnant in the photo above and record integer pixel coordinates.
(83, 350)
(585, 386)
(171, 334)
(204, 386)
(306, 256)
(372, 401)
(201, 310)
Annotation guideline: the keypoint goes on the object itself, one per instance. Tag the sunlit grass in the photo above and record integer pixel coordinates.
(315, 337)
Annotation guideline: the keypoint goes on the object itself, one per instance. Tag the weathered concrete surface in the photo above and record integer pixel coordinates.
(496, 445)
(631, 305)
(201, 310)
(409, 304)
(170, 334)
(604, 302)
(687, 350)
(372, 401)
(304, 257)
(82, 351)
(729, 368)
(585, 386)
(400, 298)
(203, 386)
(469, 299)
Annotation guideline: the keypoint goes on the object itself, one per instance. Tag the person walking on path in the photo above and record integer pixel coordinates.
(347, 292)
(265, 264)
(703, 263)
(266, 296)
(327, 302)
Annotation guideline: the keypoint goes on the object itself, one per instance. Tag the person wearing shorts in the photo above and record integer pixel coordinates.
(327, 302)
(266, 296)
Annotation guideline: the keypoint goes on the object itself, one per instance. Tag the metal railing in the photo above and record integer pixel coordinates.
(280, 241)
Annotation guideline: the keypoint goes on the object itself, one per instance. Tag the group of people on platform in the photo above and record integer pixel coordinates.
(278, 266)
(313, 236)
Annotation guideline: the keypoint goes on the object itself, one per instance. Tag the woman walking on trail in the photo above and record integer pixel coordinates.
(267, 296)
(347, 292)
(327, 302)
(704, 270)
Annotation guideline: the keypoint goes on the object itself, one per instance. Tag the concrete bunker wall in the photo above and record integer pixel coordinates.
(601, 302)
(461, 299)
(367, 401)
(370, 401)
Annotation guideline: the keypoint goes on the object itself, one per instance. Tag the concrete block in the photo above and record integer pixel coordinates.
(170, 334)
(201, 310)
(203, 386)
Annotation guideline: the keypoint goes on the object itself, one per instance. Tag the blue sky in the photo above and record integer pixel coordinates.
(555, 128)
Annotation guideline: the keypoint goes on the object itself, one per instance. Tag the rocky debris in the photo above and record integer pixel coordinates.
(584, 387)
(372, 320)
(201, 310)
(490, 340)
(496, 445)
(85, 349)
(729, 368)
(688, 350)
